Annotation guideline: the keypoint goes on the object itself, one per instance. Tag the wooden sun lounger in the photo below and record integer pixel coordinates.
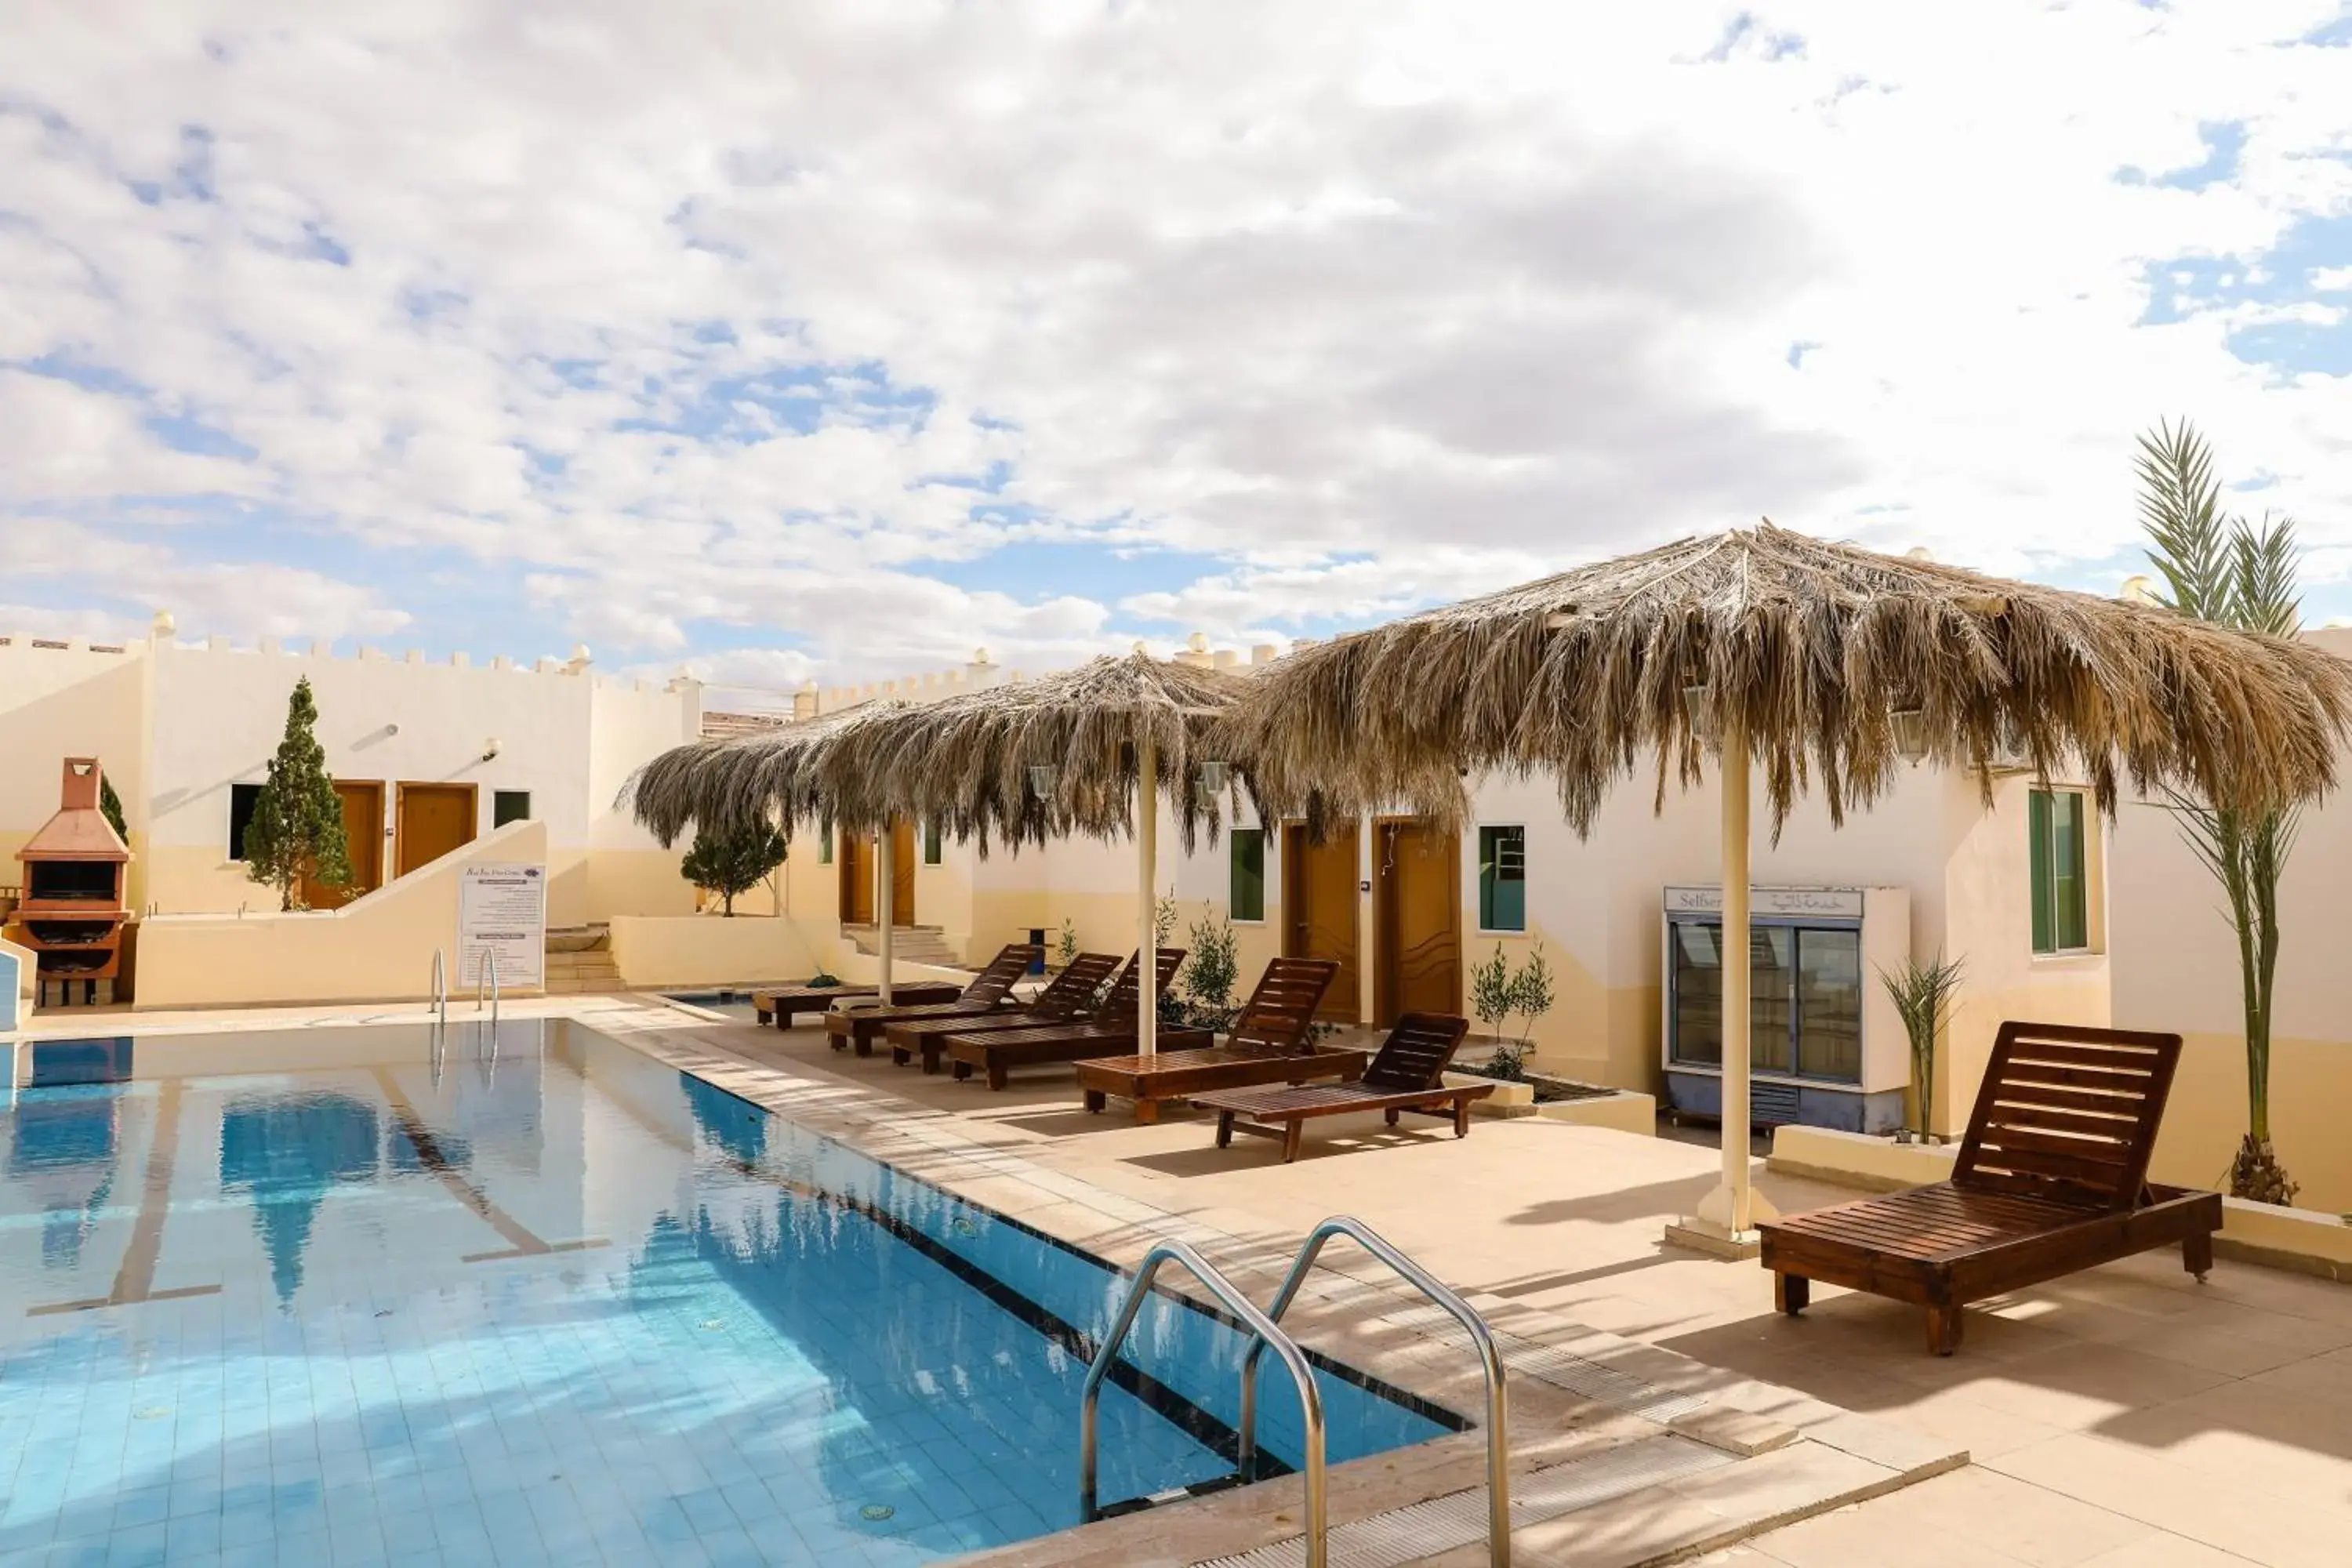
(997, 1052)
(1272, 1041)
(991, 989)
(1407, 1074)
(2052, 1178)
(1070, 995)
(781, 1004)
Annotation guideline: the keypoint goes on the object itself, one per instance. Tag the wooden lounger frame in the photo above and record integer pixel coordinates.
(2051, 1179)
(1069, 995)
(1407, 1075)
(991, 989)
(1272, 1041)
(781, 1004)
(996, 1053)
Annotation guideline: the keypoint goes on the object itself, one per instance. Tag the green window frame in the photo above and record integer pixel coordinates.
(932, 848)
(509, 805)
(825, 848)
(2058, 837)
(1503, 878)
(1246, 898)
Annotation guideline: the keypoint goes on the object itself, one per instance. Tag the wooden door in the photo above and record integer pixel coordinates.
(856, 859)
(902, 873)
(1417, 879)
(1318, 910)
(362, 802)
(434, 819)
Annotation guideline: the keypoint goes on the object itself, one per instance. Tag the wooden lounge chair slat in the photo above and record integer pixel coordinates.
(2052, 1177)
(1070, 995)
(996, 1053)
(1406, 1076)
(987, 992)
(1271, 1041)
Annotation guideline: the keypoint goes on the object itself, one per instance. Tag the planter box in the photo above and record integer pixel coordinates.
(1624, 1110)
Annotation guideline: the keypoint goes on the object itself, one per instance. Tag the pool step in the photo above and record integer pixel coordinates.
(912, 944)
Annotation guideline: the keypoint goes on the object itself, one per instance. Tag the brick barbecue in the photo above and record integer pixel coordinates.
(72, 910)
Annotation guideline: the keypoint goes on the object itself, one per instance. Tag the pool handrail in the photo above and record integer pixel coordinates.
(440, 989)
(1498, 1442)
(1264, 1332)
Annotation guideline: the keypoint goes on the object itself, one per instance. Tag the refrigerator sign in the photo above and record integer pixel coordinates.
(1836, 903)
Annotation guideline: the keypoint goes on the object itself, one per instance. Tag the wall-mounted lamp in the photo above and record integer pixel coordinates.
(1214, 777)
(1910, 727)
(489, 748)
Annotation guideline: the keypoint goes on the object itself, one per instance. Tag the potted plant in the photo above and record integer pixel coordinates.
(1922, 994)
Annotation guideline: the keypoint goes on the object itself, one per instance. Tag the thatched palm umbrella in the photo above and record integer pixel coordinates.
(772, 777)
(1815, 663)
(1086, 751)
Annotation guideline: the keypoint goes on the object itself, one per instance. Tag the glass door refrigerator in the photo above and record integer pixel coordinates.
(1825, 1045)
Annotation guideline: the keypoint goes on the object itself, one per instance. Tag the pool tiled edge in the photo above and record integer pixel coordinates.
(1793, 1455)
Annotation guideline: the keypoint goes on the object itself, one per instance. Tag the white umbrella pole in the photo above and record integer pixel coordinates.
(1147, 945)
(887, 877)
(1729, 1213)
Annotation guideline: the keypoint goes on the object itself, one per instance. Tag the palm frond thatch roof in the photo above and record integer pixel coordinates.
(963, 762)
(1809, 649)
(769, 775)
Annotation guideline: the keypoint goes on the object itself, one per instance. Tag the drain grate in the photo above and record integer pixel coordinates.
(1424, 1530)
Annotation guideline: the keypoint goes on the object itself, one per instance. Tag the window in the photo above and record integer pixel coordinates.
(509, 805)
(825, 848)
(242, 799)
(1247, 901)
(2062, 889)
(1502, 879)
(930, 844)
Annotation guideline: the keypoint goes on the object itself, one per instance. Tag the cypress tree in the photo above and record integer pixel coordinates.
(109, 805)
(298, 821)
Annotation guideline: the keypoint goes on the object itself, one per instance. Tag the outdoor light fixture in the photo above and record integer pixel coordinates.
(1040, 780)
(1910, 726)
(1699, 705)
(1212, 778)
(489, 748)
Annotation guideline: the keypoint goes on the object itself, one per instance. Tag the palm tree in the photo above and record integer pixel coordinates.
(2233, 574)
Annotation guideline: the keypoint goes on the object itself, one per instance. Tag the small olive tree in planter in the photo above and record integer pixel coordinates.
(733, 861)
(1922, 994)
(1499, 993)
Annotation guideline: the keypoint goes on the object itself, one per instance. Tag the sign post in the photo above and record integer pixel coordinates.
(503, 910)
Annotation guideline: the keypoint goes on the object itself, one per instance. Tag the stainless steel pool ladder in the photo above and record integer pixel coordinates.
(1294, 1361)
(440, 989)
(1498, 1439)
(1265, 1329)
(488, 978)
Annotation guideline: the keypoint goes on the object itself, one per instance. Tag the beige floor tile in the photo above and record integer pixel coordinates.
(1877, 1535)
(2167, 1552)
(1987, 1509)
(2184, 1501)
(2082, 1385)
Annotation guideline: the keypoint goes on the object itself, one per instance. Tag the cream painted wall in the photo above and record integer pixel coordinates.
(652, 951)
(570, 738)
(377, 948)
(70, 701)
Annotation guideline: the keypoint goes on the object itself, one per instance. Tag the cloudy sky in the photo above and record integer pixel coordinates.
(832, 340)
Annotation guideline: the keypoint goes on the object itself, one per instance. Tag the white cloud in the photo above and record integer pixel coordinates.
(1378, 303)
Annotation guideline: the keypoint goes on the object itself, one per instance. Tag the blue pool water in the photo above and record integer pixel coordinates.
(332, 1297)
(734, 1004)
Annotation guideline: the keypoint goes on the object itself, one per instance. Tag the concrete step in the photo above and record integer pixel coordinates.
(914, 945)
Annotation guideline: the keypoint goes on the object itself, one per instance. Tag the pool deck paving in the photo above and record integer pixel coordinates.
(2123, 1418)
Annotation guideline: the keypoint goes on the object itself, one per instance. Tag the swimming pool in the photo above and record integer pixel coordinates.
(734, 1002)
(334, 1296)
